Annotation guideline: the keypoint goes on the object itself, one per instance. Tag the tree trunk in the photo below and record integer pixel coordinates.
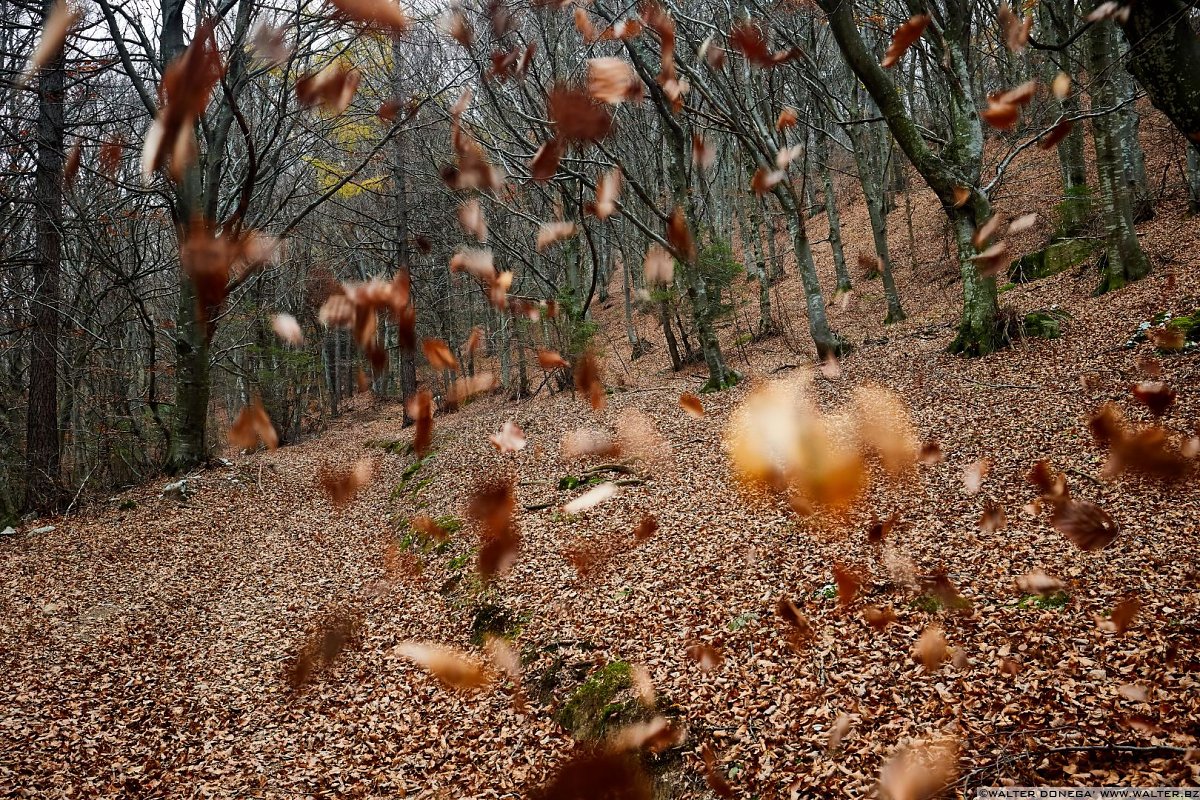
(1164, 55)
(672, 345)
(1193, 180)
(1124, 260)
(43, 487)
(835, 223)
(827, 342)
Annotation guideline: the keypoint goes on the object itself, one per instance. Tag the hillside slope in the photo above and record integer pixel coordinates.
(146, 643)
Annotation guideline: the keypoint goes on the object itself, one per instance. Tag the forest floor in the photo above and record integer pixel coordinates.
(144, 644)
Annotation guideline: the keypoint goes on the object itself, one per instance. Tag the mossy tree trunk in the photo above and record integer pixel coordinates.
(678, 156)
(831, 212)
(1164, 56)
(1124, 260)
(957, 165)
(1056, 21)
(755, 267)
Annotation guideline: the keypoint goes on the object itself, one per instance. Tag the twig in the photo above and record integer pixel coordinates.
(618, 468)
(75, 499)
(1083, 474)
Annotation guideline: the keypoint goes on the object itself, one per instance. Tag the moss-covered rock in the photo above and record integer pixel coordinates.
(1044, 324)
(492, 619)
(601, 703)
(1051, 260)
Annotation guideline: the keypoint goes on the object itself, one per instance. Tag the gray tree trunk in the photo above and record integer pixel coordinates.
(1124, 260)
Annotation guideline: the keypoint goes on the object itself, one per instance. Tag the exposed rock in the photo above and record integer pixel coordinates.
(1051, 260)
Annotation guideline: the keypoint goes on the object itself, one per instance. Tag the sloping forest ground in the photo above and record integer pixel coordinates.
(145, 644)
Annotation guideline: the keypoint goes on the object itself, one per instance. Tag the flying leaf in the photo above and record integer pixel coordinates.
(288, 329)
(1087, 525)
(491, 506)
(588, 381)
(930, 649)
(691, 404)
(708, 658)
(439, 355)
(608, 189)
(1039, 583)
(549, 359)
(974, 474)
(591, 498)
(749, 37)
(546, 160)
(848, 583)
(576, 116)
(905, 37)
(659, 266)
(919, 773)
(679, 234)
(342, 486)
(58, 24)
(470, 216)
(1154, 395)
(613, 81)
(332, 88)
(879, 618)
(509, 439)
(382, 14)
(645, 529)
(419, 408)
(450, 666)
(251, 425)
(187, 85)
(552, 232)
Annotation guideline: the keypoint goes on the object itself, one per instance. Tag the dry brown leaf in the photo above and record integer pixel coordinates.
(591, 498)
(974, 474)
(448, 665)
(382, 14)
(691, 405)
(251, 425)
(1087, 525)
(905, 37)
(288, 329)
(550, 233)
(930, 649)
(342, 486)
(659, 266)
(879, 618)
(58, 24)
(510, 438)
(439, 355)
(419, 408)
(708, 658)
(608, 189)
(1039, 583)
(919, 773)
(492, 506)
(613, 81)
(470, 216)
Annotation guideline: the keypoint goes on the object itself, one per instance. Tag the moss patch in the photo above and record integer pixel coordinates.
(603, 702)
(1051, 260)
(492, 619)
(1044, 324)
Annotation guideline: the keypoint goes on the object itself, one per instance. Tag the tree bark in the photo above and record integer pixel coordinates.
(1164, 55)
(43, 488)
(956, 166)
(1124, 260)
